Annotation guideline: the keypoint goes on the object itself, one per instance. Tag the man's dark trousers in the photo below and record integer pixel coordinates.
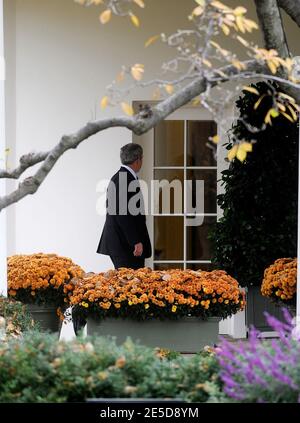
(132, 263)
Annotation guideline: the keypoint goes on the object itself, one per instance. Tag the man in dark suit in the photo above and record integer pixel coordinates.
(125, 236)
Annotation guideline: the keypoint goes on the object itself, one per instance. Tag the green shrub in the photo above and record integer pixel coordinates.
(259, 222)
(16, 317)
(41, 369)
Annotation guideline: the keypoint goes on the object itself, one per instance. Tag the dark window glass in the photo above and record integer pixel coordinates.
(166, 266)
(170, 197)
(169, 143)
(210, 190)
(168, 238)
(198, 152)
(198, 245)
(207, 267)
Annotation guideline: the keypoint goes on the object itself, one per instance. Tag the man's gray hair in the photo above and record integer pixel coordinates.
(130, 153)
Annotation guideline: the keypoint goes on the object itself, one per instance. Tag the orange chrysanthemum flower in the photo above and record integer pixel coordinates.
(145, 293)
(280, 281)
(42, 278)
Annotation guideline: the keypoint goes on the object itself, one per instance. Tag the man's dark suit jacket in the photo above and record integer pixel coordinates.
(122, 232)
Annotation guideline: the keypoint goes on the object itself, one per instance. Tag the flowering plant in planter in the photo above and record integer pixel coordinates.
(145, 294)
(42, 279)
(263, 371)
(280, 281)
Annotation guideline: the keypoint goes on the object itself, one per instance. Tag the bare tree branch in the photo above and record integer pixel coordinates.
(271, 25)
(292, 8)
(26, 161)
(195, 61)
(138, 124)
(274, 35)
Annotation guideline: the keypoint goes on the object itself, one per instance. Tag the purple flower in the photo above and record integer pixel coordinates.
(262, 371)
(283, 378)
(233, 394)
(230, 383)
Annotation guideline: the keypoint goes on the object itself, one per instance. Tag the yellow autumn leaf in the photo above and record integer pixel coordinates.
(241, 154)
(274, 113)
(288, 117)
(201, 2)
(288, 97)
(225, 29)
(242, 41)
(196, 101)
(240, 24)
(246, 146)
(151, 40)
(232, 152)
(229, 18)
(169, 88)
(215, 139)
(293, 113)
(135, 20)
(216, 45)
(219, 5)
(295, 106)
(140, 3)
(259, 101)
(239, 65)
(221, 73)
(127, 108)
(105, 16)
(272, 66)
(268, 118)
(198, 11)
(207, 63)
(281, 107)
(137, 71)
(239, 11)
(251, 90)
(271, 113)
(293, 79)
(287, 63)
(104, 102)
(249, 24)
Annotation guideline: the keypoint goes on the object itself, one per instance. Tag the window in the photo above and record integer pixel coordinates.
(181, 152)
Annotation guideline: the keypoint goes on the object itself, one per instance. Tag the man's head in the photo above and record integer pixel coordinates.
(132, 155)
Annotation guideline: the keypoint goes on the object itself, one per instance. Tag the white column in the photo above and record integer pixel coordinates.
(3, 252)
(234, 326)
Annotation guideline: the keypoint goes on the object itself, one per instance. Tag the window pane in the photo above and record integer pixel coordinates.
(169, 143)
(168, 238)
(166, 266)
(207, 267)
(198, 153)
(210, 190)
(198, 246)
(169, 198)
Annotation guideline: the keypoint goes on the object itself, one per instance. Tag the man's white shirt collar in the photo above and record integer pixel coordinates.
(131, 171)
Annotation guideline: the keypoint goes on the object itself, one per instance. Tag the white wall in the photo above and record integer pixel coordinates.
(64, 59)
(10, 107)
(60, 60)
(3, 241)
